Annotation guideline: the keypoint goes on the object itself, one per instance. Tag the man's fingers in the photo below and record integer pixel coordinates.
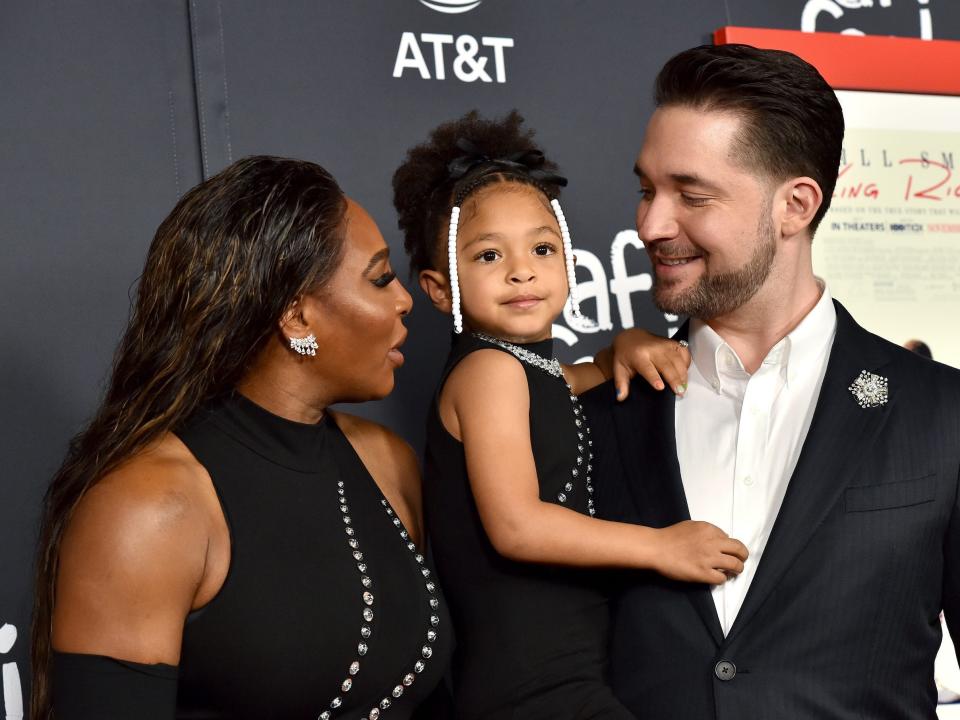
(714, 577)
(729, 563)
(735, 548)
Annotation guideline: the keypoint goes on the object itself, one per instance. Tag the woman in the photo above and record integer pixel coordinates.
(217, 543)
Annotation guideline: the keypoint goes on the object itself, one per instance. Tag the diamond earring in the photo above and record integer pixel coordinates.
(305, 345)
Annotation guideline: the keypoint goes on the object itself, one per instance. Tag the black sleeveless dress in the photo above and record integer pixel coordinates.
(531, 639)
(328, 610)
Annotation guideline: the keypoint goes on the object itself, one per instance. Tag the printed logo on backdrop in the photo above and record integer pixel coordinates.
(12, 693)
(443, 56)
(817, 12)
(451, 7)
(600, 291)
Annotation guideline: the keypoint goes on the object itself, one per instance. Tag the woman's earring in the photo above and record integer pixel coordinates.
(305, 345)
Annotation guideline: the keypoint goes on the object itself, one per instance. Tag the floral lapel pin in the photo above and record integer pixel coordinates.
(869, 390)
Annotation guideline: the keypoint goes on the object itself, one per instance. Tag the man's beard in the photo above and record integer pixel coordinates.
(720, 294)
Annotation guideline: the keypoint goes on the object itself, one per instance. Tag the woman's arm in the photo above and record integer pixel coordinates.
(488, 396)
(141, 550)
(633, 352)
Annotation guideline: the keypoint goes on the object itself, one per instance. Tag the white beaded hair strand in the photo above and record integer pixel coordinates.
(452, 264)
(454, 277)
(568, 259)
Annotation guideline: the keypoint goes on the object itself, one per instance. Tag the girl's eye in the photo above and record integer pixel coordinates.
(488, 256)
(645, 194)
(385, 279)
(544, 249)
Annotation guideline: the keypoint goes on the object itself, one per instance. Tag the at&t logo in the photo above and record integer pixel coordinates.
(468, 64)
(437, 55)
(451, 7)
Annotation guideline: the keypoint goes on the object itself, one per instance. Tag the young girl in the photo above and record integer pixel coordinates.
(508, 481)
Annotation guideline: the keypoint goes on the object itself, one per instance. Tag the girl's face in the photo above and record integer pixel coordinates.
(513, 281)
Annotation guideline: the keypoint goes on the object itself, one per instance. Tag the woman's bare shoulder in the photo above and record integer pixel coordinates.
(133, 556)
(390, 461)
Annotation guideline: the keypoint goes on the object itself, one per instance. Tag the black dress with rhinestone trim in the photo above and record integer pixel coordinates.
(531, 639)
(328, 609)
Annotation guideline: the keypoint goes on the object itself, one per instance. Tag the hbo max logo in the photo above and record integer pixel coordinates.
(462, 55)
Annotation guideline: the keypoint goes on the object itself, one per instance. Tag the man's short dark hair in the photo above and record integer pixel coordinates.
(792, 120)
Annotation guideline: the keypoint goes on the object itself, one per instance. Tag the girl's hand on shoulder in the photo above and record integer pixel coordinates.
(659, 360)
(696, 551)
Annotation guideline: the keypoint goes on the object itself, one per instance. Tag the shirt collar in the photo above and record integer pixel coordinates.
(796, 354)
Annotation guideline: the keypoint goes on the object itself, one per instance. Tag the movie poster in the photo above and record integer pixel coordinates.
(889, 248)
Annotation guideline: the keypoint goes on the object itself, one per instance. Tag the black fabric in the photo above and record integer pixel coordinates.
(93, 686)
(841, 619)
(277, 640)
(530, 639)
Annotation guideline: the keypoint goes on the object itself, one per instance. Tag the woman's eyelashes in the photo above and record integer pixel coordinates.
(385, 279)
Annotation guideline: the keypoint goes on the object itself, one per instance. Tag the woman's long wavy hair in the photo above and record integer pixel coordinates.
(224, 266)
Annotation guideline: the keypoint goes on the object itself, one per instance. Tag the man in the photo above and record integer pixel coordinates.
(832, 454)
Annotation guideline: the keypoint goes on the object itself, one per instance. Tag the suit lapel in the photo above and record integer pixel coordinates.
(647, 439)
(840, 436)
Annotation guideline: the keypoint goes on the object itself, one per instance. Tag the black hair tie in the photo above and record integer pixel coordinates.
(527, 162)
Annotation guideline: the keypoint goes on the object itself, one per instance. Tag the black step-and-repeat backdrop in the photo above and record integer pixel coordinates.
(111, 110)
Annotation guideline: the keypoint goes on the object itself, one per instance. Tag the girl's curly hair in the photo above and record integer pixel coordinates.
(424, 190)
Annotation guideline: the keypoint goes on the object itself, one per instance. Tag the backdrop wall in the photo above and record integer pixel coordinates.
(112, 110)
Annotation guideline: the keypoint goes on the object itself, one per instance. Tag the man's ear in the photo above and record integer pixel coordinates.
(802, 197)
(435, 284)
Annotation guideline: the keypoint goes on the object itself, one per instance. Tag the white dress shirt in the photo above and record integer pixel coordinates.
(739, 435)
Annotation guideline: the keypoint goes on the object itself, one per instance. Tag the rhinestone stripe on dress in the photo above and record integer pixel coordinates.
(551, 366)
(367, 613)
(426, 650)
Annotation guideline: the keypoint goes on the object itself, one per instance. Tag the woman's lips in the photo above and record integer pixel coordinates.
(394, 354)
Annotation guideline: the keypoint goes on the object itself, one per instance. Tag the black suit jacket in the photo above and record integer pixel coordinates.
(842, 617)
